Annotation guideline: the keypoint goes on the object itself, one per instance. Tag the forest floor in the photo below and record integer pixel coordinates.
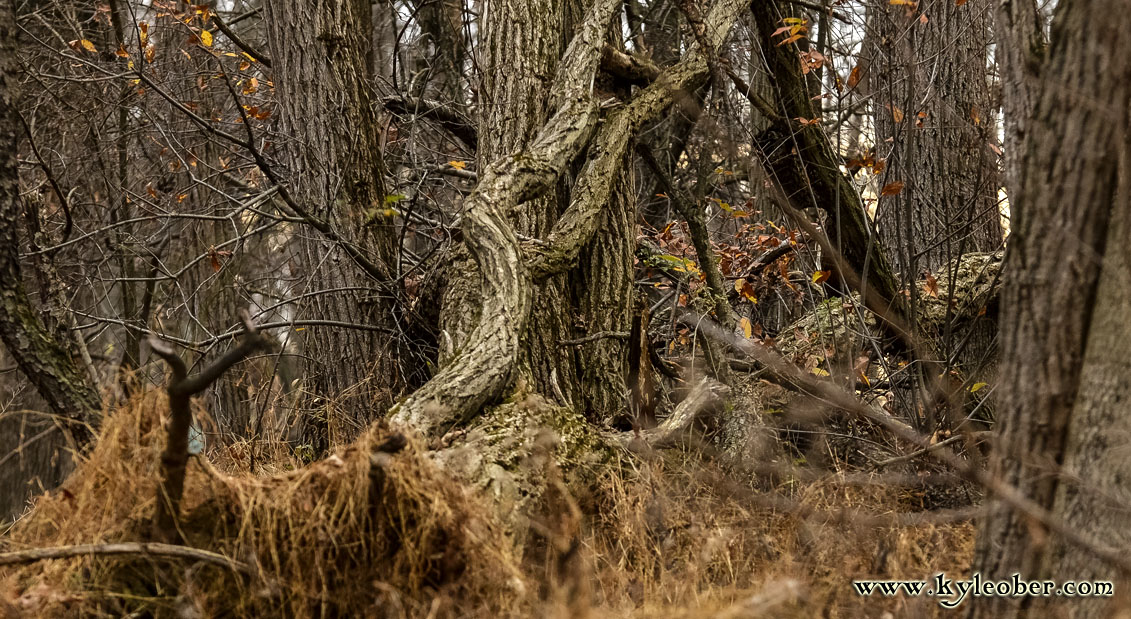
(390, 535)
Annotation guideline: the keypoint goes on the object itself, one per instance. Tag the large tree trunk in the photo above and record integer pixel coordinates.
(932, 108)
(1063, 433)
(320, 61)
(801, 161)
(482, 366)
(520, 49)
(934, 127)
(40, 346)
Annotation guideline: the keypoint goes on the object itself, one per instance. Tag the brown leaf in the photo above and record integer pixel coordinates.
(891, 189)
(932, 286)
(854, 77)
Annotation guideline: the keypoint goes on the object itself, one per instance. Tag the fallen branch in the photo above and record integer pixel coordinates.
(703, 398)
(170, 551)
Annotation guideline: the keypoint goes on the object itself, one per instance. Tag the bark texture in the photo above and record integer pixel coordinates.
(1021, 52)
(1062, 381)
(320, 59)
(934, 124)
(484, 364)
(40, 347)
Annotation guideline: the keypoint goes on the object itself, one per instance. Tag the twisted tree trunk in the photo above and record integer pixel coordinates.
(40, 346)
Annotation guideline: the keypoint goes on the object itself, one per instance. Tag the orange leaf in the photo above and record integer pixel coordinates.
(891, 189)
(854, 77)
(932, 286)
(744, 288)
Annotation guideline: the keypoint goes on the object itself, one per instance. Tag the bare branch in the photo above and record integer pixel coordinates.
(169, 551)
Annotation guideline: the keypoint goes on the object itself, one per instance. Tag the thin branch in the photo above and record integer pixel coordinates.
(240, 43)
(171, 551)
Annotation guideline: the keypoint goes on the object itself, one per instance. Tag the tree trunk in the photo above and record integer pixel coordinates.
(520, 49)
(932, 109)
(320, 61)
(934, 125)
(1063, 389)
(801, 161)
(42, 350)
(481, 368)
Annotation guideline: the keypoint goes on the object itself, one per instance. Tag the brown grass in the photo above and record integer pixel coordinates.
(667, 536)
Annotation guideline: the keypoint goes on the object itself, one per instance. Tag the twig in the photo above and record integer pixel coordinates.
(925, 450)
(621, 335)
(234, 38)
(22, 557)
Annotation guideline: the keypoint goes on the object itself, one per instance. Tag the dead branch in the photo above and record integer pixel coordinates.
(702, 398)
(23, 557)
(181, 388)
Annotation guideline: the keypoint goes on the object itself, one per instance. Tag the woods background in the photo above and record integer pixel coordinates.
(646, 291)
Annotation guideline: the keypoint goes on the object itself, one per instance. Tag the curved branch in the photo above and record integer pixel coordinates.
(181, 389)
(577, 225)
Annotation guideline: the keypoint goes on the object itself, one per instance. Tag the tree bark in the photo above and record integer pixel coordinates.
(40, 346)
(319, 55)
(1062, 435)
(934, 125)
(487, 353)
(801, 161)
(521, 45)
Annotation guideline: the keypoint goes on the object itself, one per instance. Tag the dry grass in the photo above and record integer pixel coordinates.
(666, 536)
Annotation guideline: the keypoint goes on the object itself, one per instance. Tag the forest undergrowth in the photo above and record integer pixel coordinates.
(378, 530)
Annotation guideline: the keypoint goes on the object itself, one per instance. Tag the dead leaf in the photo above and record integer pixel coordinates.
(892, 189)
(932, 286)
